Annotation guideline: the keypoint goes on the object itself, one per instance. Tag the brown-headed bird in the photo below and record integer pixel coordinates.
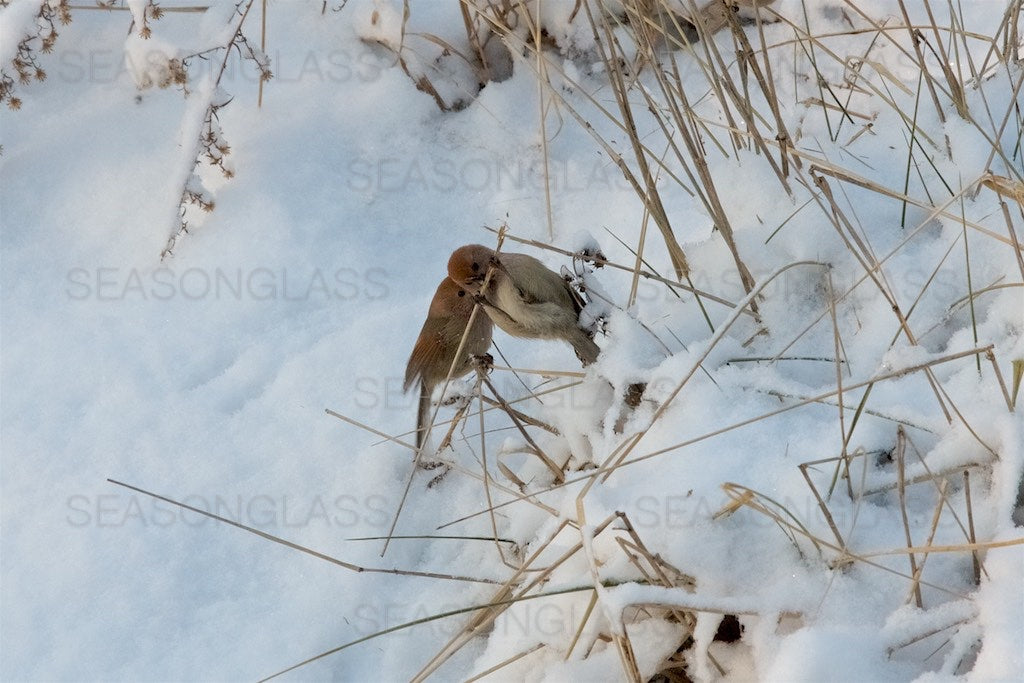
(435, 349)
(523, 297)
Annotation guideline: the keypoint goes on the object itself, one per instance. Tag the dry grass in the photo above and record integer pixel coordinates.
(38, 37)
(746, 94)
(210, 147)
(673, 147)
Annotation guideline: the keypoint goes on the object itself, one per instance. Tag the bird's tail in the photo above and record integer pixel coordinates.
(422, 416)
(586, 349)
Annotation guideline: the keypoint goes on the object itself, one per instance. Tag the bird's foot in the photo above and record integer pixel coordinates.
(439, 477)
(592, 255)
(483, 362)
(431, 464)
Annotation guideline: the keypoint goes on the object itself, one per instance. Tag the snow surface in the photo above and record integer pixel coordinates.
(205, 377)
(18, 19)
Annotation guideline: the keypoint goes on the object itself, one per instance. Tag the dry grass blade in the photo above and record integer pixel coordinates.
(900, 457)
(961, 548)
(918, 479)
(434, 537)
(910, 149)
(543, 83)
(486, 477)
(1005, 187)
(541, 373)
(859, 408)
(188, 9)
(844, 458)
(970, 283)
(662, 573)
(418, 458)
(1018, 374)
(647, 275)
(583, 624)
(521, 416)
(956, 618)
(975, 561)
(263, 46)
(418, 622)
(1002, 383)
(766, 82)
(837, 343)
(915, 586)
(929, 81)
(501, 665)
(295, 546)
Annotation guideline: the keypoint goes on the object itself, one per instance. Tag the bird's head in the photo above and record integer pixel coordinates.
(451, 300)
(468, 266)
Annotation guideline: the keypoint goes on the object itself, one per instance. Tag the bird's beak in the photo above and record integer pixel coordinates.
(498, 265)
(472, 284)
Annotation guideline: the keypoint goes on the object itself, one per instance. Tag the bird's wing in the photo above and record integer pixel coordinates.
(546, 287)
(429, 349)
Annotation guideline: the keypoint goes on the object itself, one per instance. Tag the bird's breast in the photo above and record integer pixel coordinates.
(538, 319)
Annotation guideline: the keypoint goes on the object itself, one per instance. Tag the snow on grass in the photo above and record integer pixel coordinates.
(205, 376)
(19, 20)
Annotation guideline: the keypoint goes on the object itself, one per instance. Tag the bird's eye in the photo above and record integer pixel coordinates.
(475, 266)
(462, 292)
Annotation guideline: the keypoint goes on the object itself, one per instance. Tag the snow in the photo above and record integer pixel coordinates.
(205, 376)
(19, 19)
(138, 10)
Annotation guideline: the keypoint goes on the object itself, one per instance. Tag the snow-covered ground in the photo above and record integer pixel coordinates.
(205, 376)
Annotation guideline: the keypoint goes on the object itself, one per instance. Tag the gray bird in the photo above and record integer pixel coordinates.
(523, 296)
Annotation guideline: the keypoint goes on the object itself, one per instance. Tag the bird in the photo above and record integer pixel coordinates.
(433, 354)
(523, 296)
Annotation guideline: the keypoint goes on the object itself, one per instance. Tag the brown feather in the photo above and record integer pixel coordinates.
(433, 354)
